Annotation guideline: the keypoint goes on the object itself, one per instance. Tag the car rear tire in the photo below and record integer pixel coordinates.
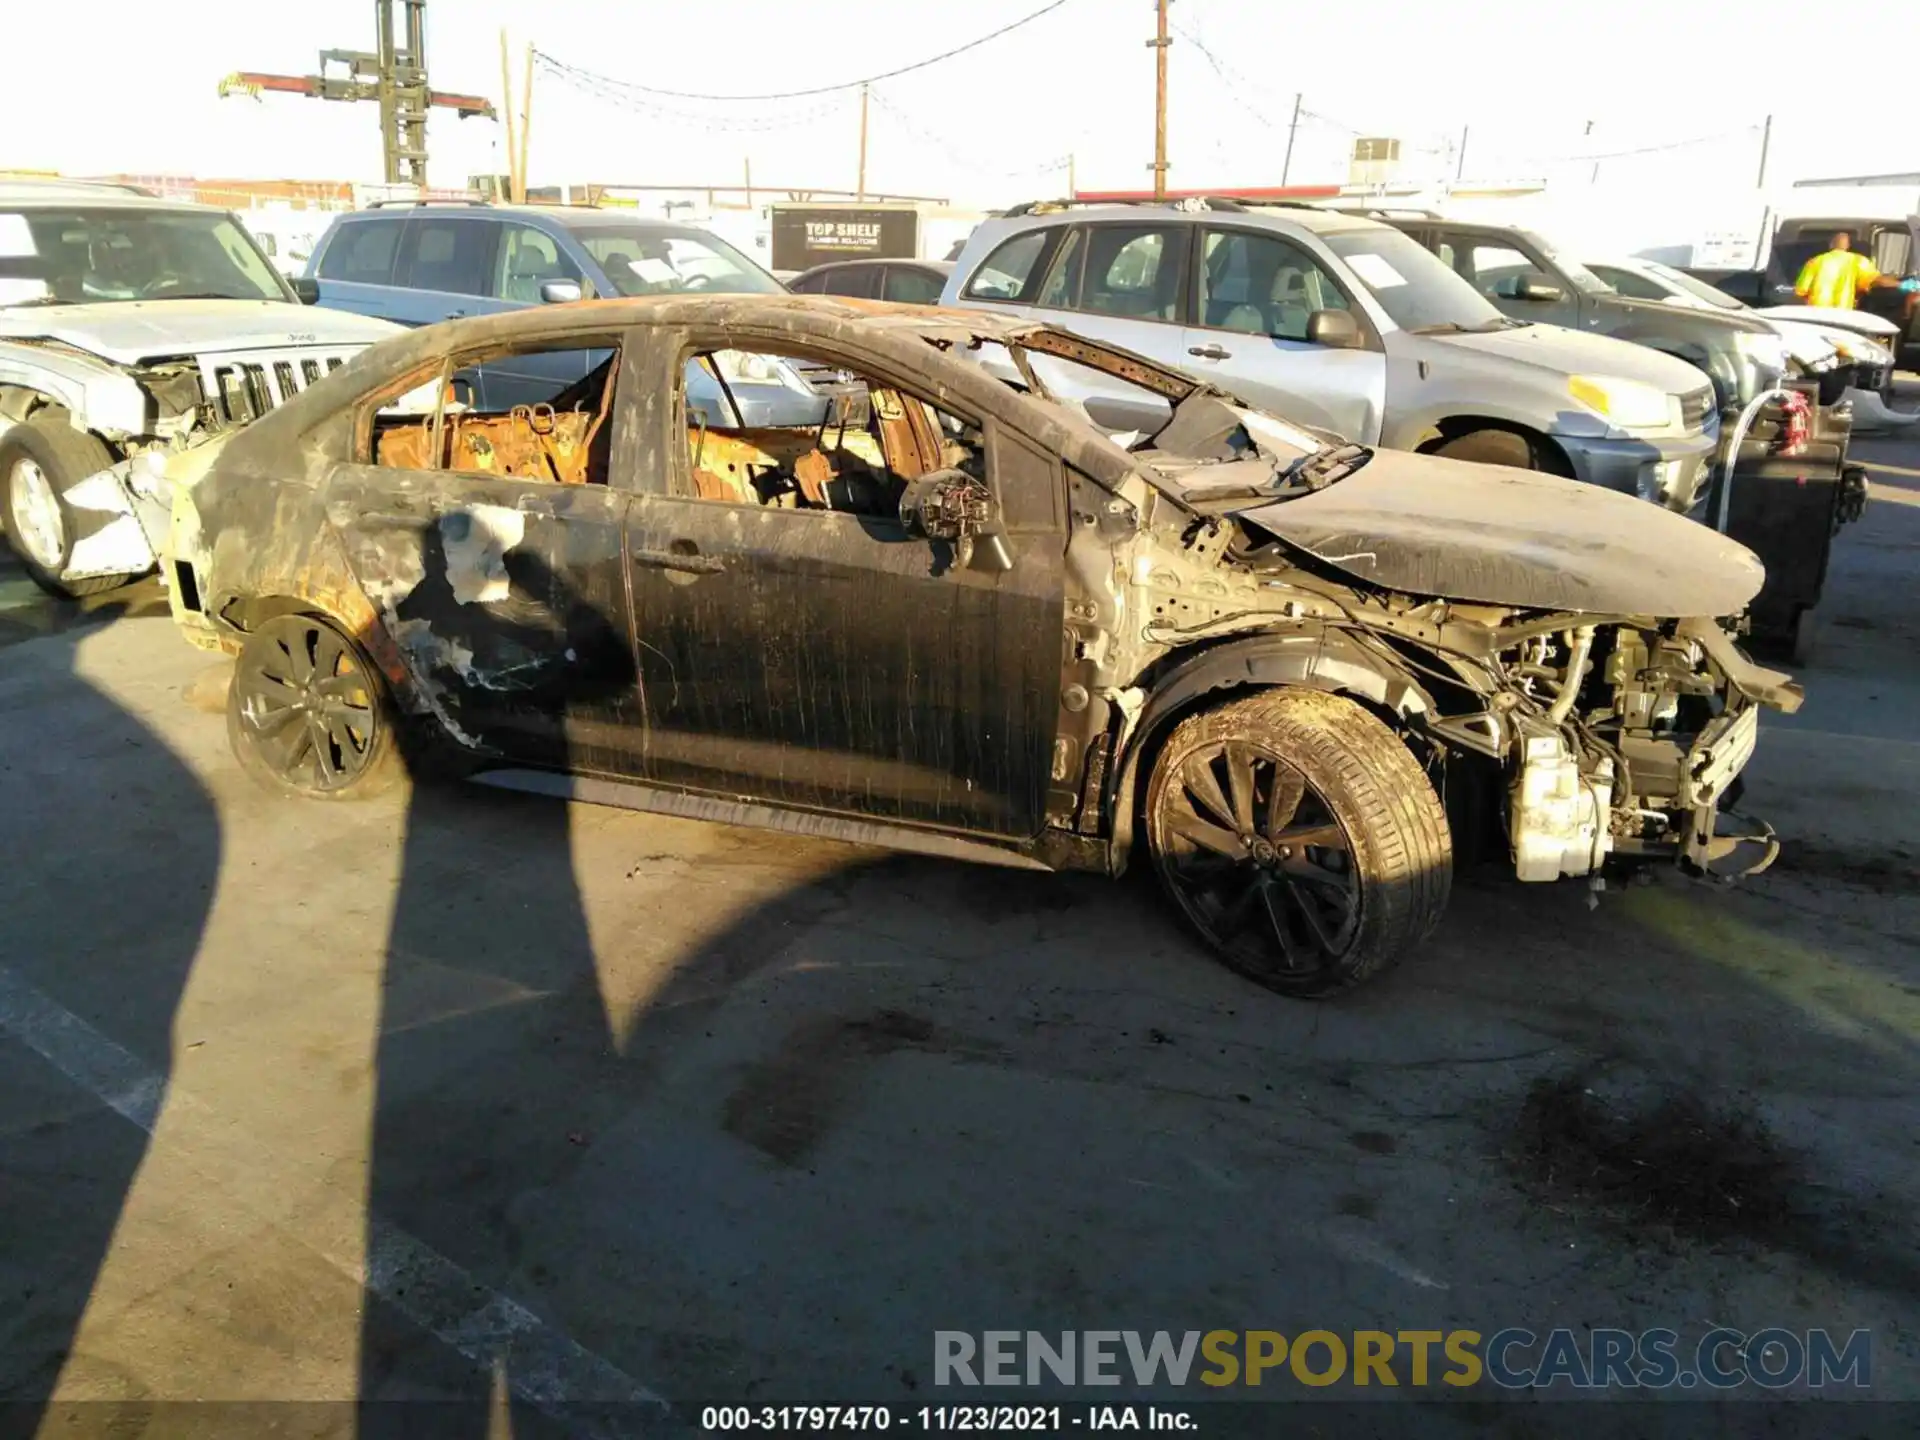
(1300, 838)
(39, 460)
(309, 714)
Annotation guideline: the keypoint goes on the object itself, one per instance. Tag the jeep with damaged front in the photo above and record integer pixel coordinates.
(972, 617)
(131, 330)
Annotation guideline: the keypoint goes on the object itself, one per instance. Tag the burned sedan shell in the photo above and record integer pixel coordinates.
(664, 637)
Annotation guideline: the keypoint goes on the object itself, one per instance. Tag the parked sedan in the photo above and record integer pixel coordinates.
(977, 625)
(909, 282)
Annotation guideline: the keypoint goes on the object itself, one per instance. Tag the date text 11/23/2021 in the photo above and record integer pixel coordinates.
(1030, 1419)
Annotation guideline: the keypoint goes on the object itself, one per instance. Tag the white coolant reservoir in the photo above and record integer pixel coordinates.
(1558, 815)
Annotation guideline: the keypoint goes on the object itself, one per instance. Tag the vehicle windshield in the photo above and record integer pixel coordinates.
(643, 261)
(1413, 286)
(81, 256)
(1699, 289)
(1581, 277)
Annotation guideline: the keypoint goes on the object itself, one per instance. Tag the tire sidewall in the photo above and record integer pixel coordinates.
(23, 442)
(1384, 903)
(383, 767)
(1174, 757)
(1513, 444)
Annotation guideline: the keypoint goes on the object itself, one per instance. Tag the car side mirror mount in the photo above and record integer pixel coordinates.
(950, 508)
(560, 292)
(1538, 291)
(306, 289)
(1334, 329)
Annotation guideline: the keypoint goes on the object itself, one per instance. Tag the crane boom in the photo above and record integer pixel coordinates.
(394, 76)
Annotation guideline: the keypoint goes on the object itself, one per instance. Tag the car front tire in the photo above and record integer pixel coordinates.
(39, 460)
(1300, 838)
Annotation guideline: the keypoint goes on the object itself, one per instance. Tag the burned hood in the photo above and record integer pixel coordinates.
(1427, 526)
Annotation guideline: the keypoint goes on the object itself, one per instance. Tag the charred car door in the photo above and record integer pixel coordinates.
(490, 545)
(796, 644)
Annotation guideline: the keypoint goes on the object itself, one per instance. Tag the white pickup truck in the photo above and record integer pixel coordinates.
(131, 330)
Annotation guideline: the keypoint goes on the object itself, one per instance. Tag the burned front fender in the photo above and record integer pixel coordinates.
(1317, 656)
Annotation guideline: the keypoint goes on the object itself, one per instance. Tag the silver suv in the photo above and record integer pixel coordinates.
(132, 329)
(1350, 326)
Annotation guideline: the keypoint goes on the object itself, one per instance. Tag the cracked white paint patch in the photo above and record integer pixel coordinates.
(395, 578)
(477, 540)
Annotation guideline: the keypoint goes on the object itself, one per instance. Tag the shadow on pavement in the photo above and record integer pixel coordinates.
(105, 930)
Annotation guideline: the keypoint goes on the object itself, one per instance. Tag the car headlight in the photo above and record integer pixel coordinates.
(1858, 350)
(737, 367)
(1626, 403)
(1765, 351)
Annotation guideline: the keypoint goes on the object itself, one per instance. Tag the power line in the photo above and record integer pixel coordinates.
(906, 123)
(1640, 149)
(565, 71)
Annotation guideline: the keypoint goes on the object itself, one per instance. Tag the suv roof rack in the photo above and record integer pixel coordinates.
(1171, 202)
(383, 204)
(51, 184)
(1381, 212)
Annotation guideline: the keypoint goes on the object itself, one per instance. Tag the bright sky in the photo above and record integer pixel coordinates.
(112, 85)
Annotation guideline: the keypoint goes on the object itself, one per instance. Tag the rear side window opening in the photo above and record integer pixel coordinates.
(1009, 272)
(361, 252)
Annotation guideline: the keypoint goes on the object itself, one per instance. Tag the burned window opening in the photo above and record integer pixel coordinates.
(793, 431)
(560, 433)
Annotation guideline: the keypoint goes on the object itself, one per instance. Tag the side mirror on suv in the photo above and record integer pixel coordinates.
(305, 289)
(1335, 329)
(1529, 288)
(560, 292)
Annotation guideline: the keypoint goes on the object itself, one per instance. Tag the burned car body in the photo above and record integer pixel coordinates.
(974, 624)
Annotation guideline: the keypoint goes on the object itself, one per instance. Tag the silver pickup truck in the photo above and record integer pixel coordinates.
(132, 329)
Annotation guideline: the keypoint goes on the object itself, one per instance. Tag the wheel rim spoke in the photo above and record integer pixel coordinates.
(1190, 826)
(1283, 800)
(1328, 940)
(308, 704)
(1270, 898)
(1298, 868)
(1202, 785)
(1328, 836)
(1240, 785)
(1259, 860)
(36, 514)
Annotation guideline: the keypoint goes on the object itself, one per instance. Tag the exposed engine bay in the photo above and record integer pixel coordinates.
(1610, 731)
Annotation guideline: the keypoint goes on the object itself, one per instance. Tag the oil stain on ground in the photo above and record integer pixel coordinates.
(787, 1103)
(1674, 1161)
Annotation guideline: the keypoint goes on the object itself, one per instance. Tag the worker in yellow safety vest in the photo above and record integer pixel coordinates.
(1833, 279)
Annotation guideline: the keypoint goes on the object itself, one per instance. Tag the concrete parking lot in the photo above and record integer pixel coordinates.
(460, 1094)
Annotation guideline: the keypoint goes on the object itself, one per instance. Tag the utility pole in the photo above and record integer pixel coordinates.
(747, 167)
(860, 184)
(1286, 167)
(526, 120)
(1159, 44)
(1460, 170)
(393, 74)
(1073, 189)
(515, 196)
(1766, 140)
